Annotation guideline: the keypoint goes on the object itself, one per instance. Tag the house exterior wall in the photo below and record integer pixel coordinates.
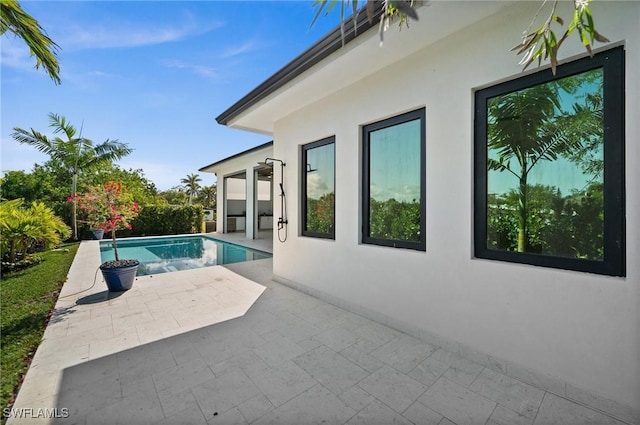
(572, 332)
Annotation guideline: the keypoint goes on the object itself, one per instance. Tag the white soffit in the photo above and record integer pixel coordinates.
(241, 161)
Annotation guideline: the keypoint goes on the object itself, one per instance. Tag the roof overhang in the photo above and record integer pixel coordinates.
(266, 148)
(327, 67)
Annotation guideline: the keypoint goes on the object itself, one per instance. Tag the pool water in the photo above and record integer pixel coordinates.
(174, 253)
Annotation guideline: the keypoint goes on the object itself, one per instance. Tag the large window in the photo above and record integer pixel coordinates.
(318, 188)
(549, 167)
(393, 203)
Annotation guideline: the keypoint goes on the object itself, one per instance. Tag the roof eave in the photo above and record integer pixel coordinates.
(207, 168)
(329, 44)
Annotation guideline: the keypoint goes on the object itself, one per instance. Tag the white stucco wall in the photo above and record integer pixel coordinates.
(573, 327)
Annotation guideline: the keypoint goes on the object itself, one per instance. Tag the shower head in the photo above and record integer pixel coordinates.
(269, 162)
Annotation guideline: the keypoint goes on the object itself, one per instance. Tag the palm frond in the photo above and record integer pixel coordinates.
(60, 125)
(34, 139)
(14, 19)
(499, 165)
(320, 5)
(111, 150)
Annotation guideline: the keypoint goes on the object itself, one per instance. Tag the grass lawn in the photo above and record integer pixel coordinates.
(27, 297)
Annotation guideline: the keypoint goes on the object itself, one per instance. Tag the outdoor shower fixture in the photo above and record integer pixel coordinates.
(282, 220)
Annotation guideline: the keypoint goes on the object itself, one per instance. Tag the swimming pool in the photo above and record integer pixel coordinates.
(174, 253)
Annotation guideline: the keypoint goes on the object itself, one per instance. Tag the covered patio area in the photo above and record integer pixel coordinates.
(244, 204)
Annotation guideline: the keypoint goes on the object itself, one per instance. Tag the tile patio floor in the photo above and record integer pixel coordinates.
(169, 352)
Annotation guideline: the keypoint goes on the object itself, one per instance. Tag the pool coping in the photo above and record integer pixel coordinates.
(263, 244)
(149, 256)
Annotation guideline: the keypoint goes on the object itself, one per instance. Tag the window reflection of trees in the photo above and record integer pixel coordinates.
(395, 210)
(319, 190)
(542, 137)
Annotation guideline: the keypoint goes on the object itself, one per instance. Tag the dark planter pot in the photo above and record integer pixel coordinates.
(119, 278)
(96, 234)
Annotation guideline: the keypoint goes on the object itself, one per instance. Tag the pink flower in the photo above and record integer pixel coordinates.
(109, 207)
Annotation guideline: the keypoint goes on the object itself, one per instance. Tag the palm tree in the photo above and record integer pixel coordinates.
(191, 185)
(75, 153)
(14, 19)
(209, 194)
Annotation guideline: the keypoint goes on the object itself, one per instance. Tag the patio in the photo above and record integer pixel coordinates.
(227, 345)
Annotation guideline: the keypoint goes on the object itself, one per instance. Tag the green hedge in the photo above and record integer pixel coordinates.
(156, 220)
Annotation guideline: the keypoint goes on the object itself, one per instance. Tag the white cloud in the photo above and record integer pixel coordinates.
(101, 74)
(15, 53)
(103, 38)
(316, 187)
(165, 174)
(95, 35)
(17, 157)
(209, 72)
(129, 34)
(403, 193)
(200, 70)
(246, 47)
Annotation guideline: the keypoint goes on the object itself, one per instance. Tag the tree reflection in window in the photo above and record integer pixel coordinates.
(545, 161)
(318, 182)
(549, 177)
(393, 181)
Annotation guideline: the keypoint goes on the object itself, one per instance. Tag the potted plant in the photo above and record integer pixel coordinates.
(93, 213)
(110, 207)
(96, 233)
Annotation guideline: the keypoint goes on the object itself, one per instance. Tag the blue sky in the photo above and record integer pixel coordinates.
(153, 75)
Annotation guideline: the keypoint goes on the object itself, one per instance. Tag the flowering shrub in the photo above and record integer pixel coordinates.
(109, 207)
(92, 213)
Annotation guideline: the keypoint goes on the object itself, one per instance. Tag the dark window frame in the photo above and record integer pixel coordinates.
(303, 171)
(613, 264)
(421, 245)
